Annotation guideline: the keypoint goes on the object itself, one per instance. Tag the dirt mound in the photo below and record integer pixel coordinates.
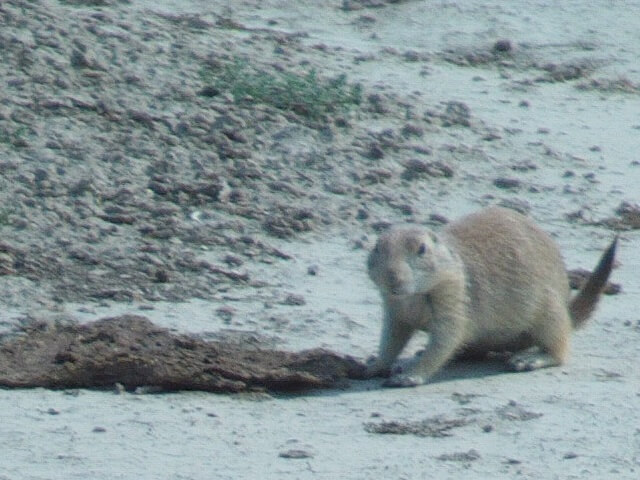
(131, 351)
(124, 178)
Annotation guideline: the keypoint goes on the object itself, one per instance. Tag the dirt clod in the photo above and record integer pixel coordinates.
(507, 183)
(627, 217)
(430, 427)
(503, 46)
(469, 456)
(416, 168)
(295, 454)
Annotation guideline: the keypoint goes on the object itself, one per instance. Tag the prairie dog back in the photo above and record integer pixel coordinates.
(512, 268)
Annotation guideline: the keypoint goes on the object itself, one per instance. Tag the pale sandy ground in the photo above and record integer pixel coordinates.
(577, 421)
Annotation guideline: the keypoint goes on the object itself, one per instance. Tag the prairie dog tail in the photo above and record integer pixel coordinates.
(584, 303)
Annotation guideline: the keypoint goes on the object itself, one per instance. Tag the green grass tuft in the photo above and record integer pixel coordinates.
(306, 94)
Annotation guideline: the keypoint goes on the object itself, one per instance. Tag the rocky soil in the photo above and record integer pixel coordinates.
(121, 163)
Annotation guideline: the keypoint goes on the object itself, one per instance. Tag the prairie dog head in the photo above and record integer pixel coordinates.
(408, 260)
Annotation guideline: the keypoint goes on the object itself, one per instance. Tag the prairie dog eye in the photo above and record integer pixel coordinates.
(422, 249)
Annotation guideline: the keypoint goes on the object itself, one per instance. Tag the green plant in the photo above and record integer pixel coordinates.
(305, 94)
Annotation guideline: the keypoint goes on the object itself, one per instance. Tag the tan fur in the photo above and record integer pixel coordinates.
(492, 281)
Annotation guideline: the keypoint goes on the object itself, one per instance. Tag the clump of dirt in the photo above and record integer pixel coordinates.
(514, 412)
(350, 5)
(508, 56)
(502, 53)
(470, 456)
(431, 427)
(627, 217)
(570, 70)
(416, 169)
(610, 85)
(133, 352)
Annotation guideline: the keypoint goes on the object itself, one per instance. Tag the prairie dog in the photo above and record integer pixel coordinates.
(491, 281)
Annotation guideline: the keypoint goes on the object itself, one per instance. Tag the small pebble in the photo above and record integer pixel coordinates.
(294, 300)
(503, 46)
(295, 454)
(507, 183)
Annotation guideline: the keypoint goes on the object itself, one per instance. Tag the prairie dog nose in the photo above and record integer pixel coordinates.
(395, 280)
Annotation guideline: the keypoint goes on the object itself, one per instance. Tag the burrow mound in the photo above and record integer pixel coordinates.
(132, 351)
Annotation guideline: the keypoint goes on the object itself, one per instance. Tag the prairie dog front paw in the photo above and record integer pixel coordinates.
(376, 369)
(404, 380)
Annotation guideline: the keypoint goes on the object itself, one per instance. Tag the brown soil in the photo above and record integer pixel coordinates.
(133, 352)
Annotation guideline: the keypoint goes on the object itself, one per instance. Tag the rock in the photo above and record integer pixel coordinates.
(456, 113)
(411, 56)
(411, 129)
(469, 456)
(514, 412)
(295, 454)
(209, 91)
(627, 217)
(507, 183)
(415, 168)
(438, 219)
(374, 151)
(435, 427)
(503, 46)
(294, 300)
(162, 276)
(78, 59)
(520, 206)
